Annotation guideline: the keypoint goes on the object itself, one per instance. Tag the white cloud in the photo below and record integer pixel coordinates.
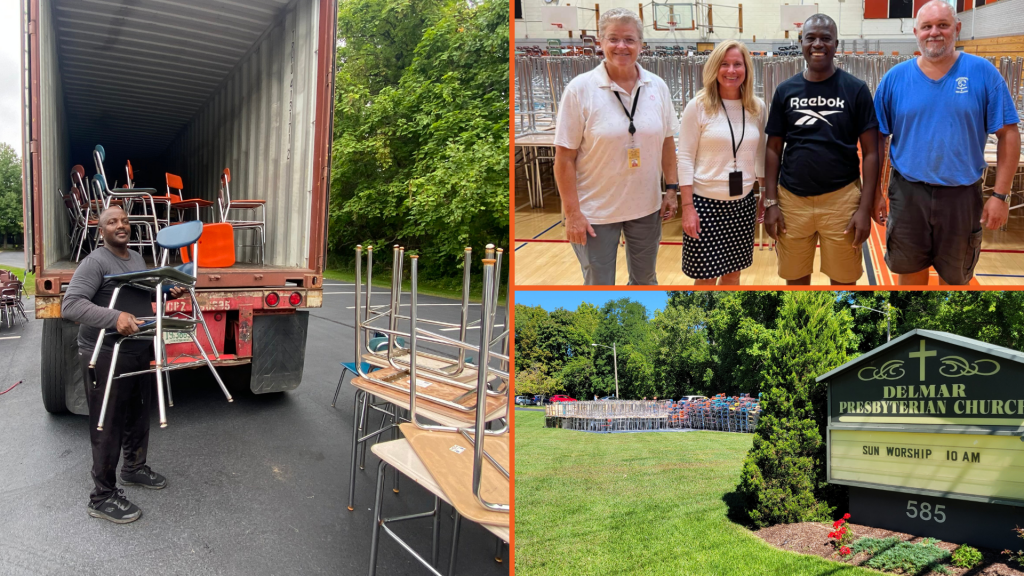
(10, 73)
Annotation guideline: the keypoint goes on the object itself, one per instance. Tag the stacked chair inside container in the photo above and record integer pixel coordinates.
(443, 403)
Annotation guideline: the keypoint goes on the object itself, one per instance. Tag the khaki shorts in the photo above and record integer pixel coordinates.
(819, 219)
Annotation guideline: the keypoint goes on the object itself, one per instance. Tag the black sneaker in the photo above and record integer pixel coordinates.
(144, 477)
(116, 508)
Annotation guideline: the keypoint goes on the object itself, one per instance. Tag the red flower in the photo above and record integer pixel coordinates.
(837, 523)
(842, 531)
(832, 534)
(846, 516)
(845, 551)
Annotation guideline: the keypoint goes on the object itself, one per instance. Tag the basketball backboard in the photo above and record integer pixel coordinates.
(794, 14)
(673, 17)
(558, 18)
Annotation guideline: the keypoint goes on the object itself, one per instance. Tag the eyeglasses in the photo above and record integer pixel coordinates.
(629, 42)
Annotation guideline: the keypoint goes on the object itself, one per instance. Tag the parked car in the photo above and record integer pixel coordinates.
(561, 398)
(607, 398)
(526, 400)
(692, 398)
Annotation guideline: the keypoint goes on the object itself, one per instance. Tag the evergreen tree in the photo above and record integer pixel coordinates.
(783, 478)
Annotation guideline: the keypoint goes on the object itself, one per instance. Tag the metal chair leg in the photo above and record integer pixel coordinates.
(338, 390)
(356, 430)
(363, 420)
(437, 531)
(377, 514)
(499, 549)
(110, 381)
(167, 381)
(212, 369)
(394, 436)
(455, 543)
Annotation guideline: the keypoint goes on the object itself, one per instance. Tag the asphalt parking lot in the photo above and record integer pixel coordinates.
(258, 486)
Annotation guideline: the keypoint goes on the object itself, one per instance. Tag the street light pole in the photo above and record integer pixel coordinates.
(888, 333)
(615, 364)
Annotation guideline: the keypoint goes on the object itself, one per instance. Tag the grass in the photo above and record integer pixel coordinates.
(28, 282)
(651, 504)
(441, 287)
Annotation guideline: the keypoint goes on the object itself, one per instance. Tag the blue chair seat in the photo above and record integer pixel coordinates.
(351, 367)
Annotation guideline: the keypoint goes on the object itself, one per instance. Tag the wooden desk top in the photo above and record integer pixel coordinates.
(448, 457)
(400, 455)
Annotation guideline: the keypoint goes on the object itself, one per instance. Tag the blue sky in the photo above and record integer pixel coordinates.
(570, 300)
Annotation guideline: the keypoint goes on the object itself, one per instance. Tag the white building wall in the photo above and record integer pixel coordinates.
(761, 19)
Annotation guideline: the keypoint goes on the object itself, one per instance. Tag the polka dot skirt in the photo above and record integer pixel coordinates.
(726, 242)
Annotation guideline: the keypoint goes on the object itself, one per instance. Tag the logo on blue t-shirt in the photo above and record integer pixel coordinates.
(961, 85)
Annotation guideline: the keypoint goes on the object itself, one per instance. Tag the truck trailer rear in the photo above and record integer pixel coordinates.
(188, 87)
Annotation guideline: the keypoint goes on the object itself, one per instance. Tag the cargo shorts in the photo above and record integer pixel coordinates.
(822, 219)
(938, 226)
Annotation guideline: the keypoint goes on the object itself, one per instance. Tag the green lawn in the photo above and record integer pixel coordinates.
(28, 283)
(652, 503)
(442, 287)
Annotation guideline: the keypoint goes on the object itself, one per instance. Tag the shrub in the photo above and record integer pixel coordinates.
(783, 478)
(966, 557)
(891, 555)
(1019, 556)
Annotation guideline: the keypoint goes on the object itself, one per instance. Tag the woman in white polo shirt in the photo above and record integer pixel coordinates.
(613, 140)
(721, 152)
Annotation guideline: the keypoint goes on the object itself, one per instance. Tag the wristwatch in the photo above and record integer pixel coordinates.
(1003, 197)
(672, 187)
(769, 202)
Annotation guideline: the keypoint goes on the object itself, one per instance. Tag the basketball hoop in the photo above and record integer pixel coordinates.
(798, 26)
(672, 25)
(556, 25)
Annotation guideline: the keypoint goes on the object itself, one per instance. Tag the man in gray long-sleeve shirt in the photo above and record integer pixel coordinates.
(87, 302)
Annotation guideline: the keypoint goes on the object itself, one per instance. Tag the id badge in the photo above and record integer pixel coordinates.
(633, 157)
(735, 183)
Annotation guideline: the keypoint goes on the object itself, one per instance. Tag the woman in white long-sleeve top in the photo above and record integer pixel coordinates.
(721, 152)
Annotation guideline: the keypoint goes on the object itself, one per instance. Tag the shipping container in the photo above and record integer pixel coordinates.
(188, 87)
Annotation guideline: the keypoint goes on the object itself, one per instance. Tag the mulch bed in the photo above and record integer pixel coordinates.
(812, 538)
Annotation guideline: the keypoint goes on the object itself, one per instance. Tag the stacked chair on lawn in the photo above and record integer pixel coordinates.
(11, 305)
(451, 410)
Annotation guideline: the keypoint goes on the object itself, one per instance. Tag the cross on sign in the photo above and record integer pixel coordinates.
(922, 354)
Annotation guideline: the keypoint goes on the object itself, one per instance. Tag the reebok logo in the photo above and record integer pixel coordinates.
(817, 101)
(810, 117)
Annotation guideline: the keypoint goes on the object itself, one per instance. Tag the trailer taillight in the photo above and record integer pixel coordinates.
(295, 299)
(272, 299)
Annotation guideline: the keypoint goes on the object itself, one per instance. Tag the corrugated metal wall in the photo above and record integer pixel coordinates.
(54, 151)
(259, 123)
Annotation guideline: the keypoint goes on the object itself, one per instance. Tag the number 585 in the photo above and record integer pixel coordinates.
(926, 512)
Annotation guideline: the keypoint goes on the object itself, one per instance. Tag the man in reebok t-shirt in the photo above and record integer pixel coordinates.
(940, 109)
(820, 115)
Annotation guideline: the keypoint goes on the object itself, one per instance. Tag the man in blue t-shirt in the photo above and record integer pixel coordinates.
(940, 109)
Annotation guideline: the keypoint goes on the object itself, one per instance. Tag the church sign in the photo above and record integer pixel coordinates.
(927, 432)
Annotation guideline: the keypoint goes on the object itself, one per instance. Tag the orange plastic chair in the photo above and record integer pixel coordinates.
(216, 247)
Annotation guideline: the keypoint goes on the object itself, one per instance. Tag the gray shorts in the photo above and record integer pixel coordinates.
(597, 257)
(936, 226)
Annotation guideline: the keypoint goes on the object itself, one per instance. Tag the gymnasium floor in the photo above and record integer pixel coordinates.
(543, 256)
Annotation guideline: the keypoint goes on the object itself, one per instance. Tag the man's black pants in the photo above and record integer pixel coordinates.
(126, 425)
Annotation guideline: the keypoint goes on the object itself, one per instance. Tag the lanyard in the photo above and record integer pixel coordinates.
(630, 114)
(735, 146)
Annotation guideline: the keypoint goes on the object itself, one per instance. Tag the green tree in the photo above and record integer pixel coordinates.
(422, 161)
(11, 214)
(783, 477)
(682, 355)
(533, 382)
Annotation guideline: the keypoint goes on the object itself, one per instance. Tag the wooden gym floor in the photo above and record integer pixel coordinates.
(543, 256)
